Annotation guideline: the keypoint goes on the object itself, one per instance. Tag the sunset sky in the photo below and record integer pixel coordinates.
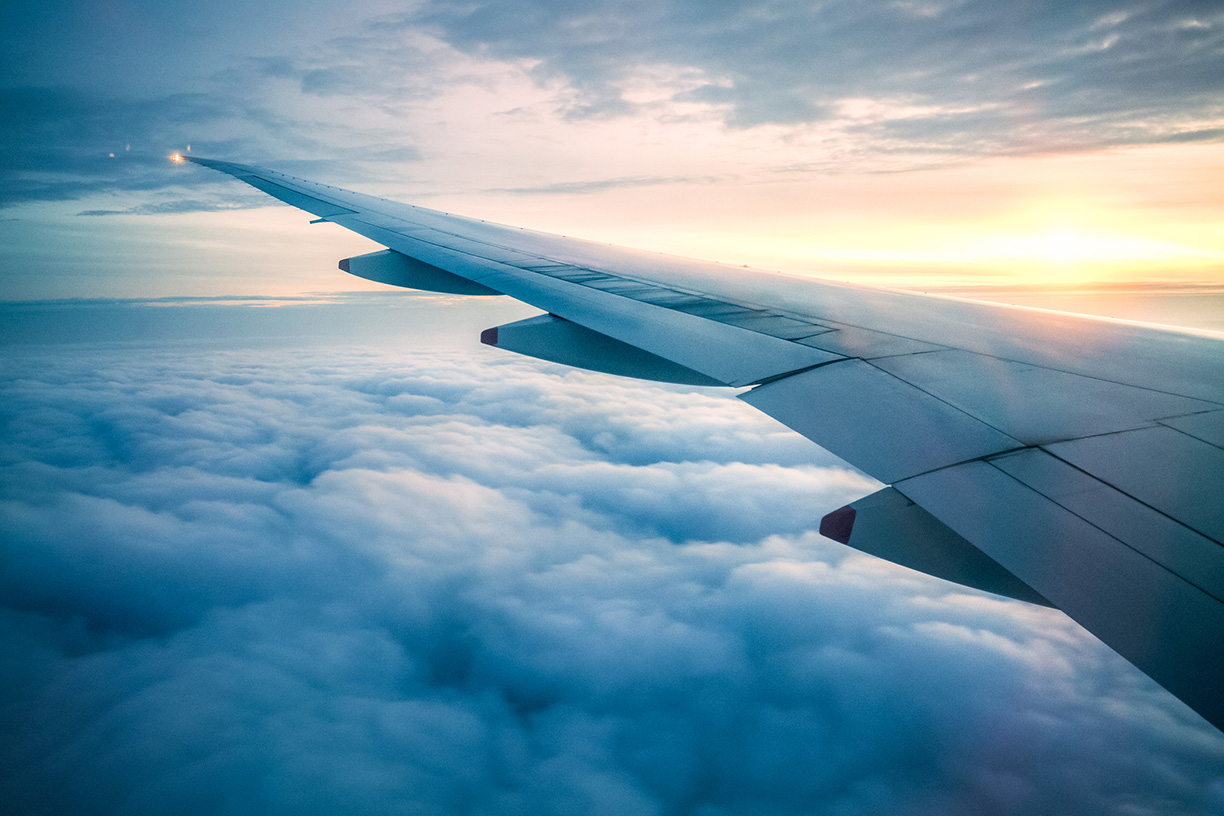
(909, 143)
(278, 540)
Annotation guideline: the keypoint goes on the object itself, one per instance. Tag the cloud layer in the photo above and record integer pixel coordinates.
(364, 581)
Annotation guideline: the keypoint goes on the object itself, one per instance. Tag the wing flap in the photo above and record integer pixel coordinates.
(1194, 557)
(1209, 426)
(1033, 404)
(864, 344)
(1173, 472)
(884, 426)
(1168, 627)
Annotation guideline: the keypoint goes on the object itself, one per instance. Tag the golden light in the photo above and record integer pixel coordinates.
(1064, 246)
(176, 158)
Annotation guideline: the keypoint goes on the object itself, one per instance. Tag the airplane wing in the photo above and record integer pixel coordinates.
(1064, 460)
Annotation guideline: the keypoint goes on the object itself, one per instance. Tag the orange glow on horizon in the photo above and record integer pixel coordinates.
(1105, 217)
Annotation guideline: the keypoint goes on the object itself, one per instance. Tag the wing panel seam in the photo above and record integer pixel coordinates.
(1112, 486)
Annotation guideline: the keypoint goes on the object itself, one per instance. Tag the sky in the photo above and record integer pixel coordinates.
(275, 539)
(912, 142)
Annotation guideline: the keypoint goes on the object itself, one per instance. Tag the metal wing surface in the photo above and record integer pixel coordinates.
(1060, 459)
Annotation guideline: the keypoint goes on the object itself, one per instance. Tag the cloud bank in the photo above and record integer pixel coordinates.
(357, 580)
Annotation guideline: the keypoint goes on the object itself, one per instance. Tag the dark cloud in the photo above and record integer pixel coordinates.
(362, 580)
(1008, 78)
(1203, 135)
(58, 144)
(139, 80)
(180, 205)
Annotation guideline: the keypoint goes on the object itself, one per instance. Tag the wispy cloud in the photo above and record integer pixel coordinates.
(896, 85)
(600, 185)
(1045, 77)
(181, 205)
(61, 144)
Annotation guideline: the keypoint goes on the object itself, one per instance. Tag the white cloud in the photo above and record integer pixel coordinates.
(348, 580)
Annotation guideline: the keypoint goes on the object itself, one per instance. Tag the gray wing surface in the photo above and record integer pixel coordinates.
(1066, 460)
